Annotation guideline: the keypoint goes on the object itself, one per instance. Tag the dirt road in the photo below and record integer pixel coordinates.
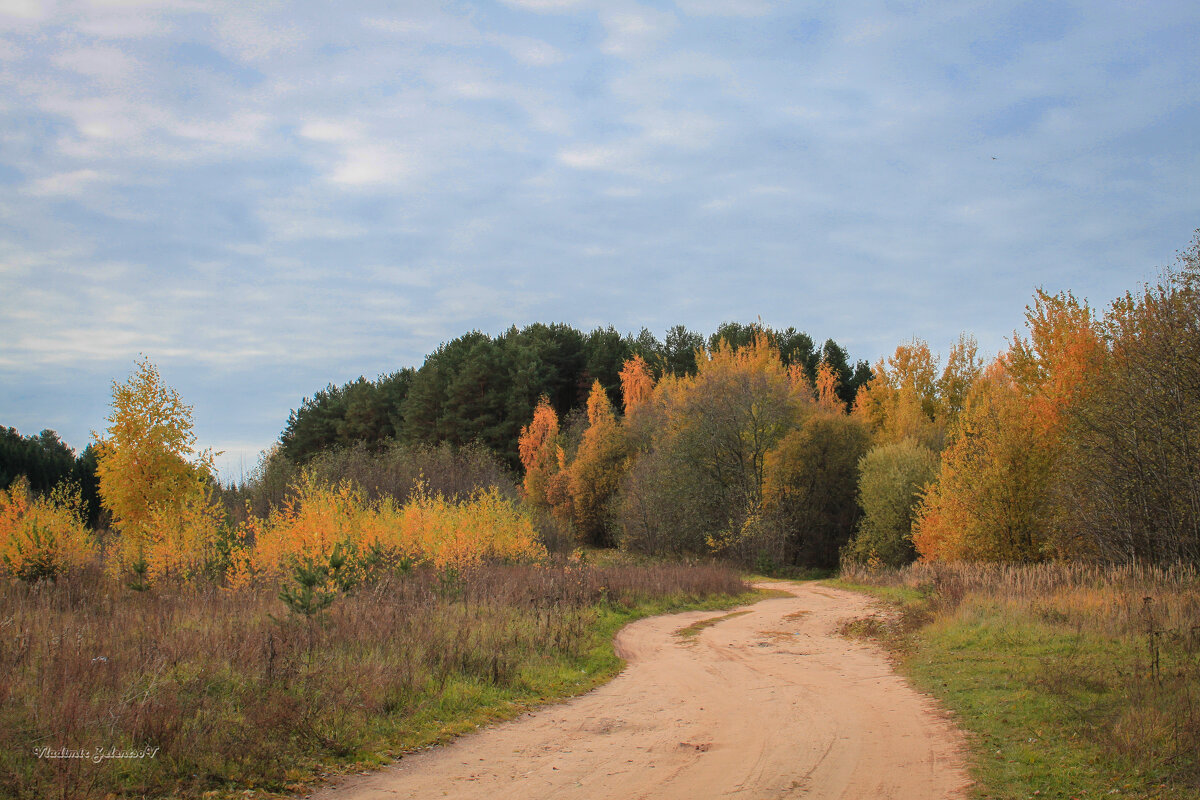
(767, 703)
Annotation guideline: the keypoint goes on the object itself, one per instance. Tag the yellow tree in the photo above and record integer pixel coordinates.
(963, 366)
(1053, 367)
(901, 400)
(149, 470)
(596, 472)
(539, 451)
(827, 386)
(991, 498)
(42, 537)
(637, 384)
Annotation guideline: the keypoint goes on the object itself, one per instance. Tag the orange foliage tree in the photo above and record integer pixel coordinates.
(539, 451)
(596, 471)
(827, 386)
(991, 499)
(901, 399)
(637, 383)
(1053, 366)
(907, 398)
(699, 482)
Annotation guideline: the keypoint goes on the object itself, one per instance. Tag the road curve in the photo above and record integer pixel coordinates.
(770, 703)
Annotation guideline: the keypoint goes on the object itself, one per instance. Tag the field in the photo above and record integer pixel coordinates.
(1073, 681)
(222, 691)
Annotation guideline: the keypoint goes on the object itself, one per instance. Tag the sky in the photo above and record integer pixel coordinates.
(264, 198)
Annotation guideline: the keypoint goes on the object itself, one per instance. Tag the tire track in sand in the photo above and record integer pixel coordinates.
(768, 704)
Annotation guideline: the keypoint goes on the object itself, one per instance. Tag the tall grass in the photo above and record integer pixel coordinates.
(237, 693)
(1106, 658)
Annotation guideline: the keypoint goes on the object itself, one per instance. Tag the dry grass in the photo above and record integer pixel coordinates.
(237, 693)
(1108, 656)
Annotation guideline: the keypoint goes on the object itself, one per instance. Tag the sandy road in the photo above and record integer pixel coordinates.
(772, 703)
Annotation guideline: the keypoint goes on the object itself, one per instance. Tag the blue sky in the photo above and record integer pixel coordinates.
(267, 197)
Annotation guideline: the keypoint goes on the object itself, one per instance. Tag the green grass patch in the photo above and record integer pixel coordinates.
(1052, 708)
(693, 630)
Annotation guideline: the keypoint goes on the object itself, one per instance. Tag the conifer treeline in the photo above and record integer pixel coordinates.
(479, 389)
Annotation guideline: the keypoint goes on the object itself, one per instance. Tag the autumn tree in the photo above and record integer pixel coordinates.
(637, 383)
(703, 477)
(150, 472)
(596, 471)
(992, 497)
(1053, 367)
(963, 366)
(42, 537)
(901, 400)
(539, 451)
(828, 382)
(1131, 471)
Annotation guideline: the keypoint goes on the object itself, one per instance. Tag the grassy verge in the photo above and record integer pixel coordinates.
(241, 697)
(1072, 682)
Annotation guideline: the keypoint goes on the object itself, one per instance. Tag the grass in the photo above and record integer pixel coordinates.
(242, 697)
(1071, 681)
(693, 630)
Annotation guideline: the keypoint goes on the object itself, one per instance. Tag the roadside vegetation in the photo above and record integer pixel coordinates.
(1072, 680)
(235, 692)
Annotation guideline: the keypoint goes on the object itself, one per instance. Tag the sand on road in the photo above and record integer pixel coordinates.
(770, 703)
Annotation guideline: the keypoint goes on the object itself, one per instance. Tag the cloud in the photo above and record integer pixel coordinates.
(67, 183)
(634, 30)
(25, 9)
(250, 38)
(108, 66)
(726, 8)
(527, 50)
(437, 28)
(545, 6)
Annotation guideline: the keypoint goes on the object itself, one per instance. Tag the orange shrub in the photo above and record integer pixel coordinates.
(42, 537)
(486, 527)
(428, 528)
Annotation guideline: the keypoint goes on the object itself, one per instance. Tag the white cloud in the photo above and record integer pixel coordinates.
(67, 183)
(545, 6)
(867, 31)
(527, 50)
(594, 157)
(372, 165)
(109, 66)
(26, 9)
(635, 30)
(678, 129)
(726, 8)
(250, 38)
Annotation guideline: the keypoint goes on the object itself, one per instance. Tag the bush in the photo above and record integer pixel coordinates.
(892, 477)
(322, 519)
(42, 537)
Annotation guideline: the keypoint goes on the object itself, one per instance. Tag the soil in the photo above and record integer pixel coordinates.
(772, 703)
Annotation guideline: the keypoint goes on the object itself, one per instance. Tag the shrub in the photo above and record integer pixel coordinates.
(891, 479)
(322, 519)
(42, 537)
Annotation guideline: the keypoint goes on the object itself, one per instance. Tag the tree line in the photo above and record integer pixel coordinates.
(481, 389)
